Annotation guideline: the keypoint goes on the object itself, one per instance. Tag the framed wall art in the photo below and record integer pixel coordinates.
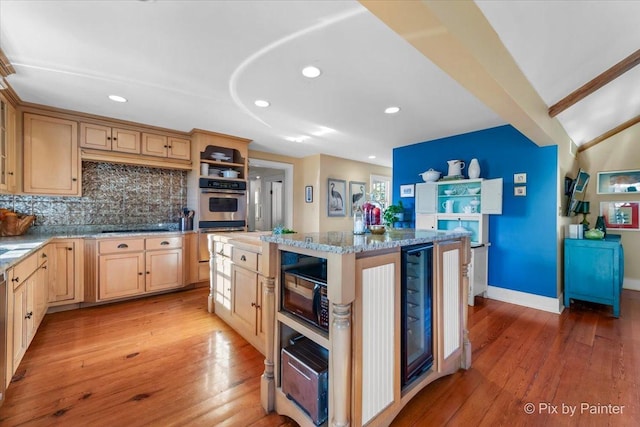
(407, 190)
(616, 182)
(620, 215)
(357, 195)
(337, 197)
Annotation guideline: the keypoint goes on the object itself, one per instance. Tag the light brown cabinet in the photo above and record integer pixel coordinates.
(166, 146)
(27, 288)
(51, 161)
(109, 138)
(133, 266)
(65, 270)
(7, 147)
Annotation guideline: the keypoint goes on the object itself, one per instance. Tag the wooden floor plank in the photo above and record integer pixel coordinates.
(165, 361)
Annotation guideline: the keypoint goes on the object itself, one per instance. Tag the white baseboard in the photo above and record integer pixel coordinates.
(633, 284)
(552, 305)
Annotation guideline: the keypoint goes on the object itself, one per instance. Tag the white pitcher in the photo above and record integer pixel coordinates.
(448, 206)
(455, 167)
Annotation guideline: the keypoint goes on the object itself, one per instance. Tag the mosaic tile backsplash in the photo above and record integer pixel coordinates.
(112, 195)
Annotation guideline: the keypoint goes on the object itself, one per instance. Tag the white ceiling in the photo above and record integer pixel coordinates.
(201, 64)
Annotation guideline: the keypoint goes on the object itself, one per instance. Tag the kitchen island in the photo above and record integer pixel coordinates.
(363, 337)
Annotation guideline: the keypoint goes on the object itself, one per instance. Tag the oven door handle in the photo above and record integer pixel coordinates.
(242, 193)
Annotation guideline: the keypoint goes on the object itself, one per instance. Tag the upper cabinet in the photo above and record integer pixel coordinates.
(460, 204)
(109, 138)
(51, 161)
(166, 146)
(7, 147)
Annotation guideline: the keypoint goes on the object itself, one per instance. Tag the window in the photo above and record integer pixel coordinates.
(381, 189)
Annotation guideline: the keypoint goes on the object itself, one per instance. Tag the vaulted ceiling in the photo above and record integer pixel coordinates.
(451, 67)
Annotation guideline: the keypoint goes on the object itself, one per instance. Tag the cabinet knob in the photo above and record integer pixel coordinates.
(148, 272)
(115, 139)
(140, 273)
(10, 173)
(253, 304)
(44, 255)
(108, 138)
(69, 249)
(74, 179)
(28, 315)
(15, 279)
(44, 267)
(123, 246)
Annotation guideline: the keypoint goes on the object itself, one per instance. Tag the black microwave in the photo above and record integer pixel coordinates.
(304, 294)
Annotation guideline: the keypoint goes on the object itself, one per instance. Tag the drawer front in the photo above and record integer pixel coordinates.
(120, 245)
(24, 269)
(154, 243)
(245, 259)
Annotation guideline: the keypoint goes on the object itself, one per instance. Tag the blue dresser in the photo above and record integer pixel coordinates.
(594, 271)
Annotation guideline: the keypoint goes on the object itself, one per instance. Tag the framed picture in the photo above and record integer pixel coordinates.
(620, 215)
(357, 194)
(336, 197)
(520, 190)
(619, 182)
(308, 194)
(406, 190)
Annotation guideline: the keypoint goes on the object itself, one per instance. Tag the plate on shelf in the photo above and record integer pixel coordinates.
(220, 156)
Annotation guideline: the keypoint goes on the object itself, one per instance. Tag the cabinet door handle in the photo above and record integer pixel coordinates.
(44, 267)
(15, 279)
(69, 249)
(253, 304)
(9, 173)
(44, 255)
(74, 179)
(28, 315)
(243, 258)
(164, 243)
(148, 272)
(140, 273)
(123, 246)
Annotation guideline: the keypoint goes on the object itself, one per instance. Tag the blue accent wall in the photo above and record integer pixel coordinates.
(523, 252)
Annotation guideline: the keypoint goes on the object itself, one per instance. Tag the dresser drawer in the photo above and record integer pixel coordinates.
(154, 243)
(245, 259)
(120, 245)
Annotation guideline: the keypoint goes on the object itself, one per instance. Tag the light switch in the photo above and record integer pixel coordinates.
(519, 178)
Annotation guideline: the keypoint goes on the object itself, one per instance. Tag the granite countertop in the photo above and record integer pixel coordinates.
(13, 249)
(341, 242)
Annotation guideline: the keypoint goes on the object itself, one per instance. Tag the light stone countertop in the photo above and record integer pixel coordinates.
(341, 242)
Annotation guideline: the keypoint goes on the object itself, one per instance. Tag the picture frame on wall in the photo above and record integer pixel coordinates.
(308, 194)
(621, 215)
(407, 190)
(616, 182)
(337, 197)
(357, 195)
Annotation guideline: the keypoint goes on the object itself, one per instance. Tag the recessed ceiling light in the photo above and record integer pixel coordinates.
(391, 110)
(117, 98)
(311, 72)
(297, 139)
(372, 157)
(261, 103)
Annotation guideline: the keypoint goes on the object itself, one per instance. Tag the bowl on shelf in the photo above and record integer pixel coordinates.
(449, 192)
(377, 229)
(220, 156)
(230, 173)
(594, 234)
(473, 191)
(214, 172)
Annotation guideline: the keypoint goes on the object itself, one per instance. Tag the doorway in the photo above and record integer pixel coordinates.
(270, 195)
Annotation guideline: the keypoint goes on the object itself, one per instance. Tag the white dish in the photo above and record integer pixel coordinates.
(473, 191)
(230, 173)
(220, 156)
(449, 192)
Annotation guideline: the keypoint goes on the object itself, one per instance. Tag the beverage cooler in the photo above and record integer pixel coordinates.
(416, 311)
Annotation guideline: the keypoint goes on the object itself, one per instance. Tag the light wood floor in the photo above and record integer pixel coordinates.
(165, 361)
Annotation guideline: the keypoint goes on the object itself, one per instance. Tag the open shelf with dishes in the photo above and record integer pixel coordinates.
(222, 162)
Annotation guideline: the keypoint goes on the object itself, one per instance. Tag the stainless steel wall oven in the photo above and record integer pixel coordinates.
(223, 204)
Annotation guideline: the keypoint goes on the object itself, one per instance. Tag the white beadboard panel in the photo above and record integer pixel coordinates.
(451, 301)
(378, 361)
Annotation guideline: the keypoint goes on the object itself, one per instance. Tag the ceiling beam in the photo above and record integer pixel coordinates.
(588, 88)
(456, 36)
(610, 133)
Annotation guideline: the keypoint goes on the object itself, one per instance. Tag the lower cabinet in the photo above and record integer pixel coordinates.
(65, 271)
(133, 266)
(27, 289)
(237, 290)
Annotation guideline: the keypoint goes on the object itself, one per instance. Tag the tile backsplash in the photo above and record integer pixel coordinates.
(112, 195)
